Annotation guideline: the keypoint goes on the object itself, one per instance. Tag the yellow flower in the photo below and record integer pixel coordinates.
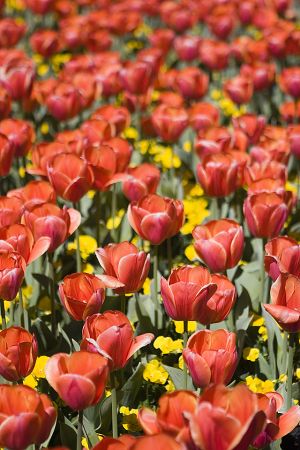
(42, 70)
(257, 321)
(170, 386)
(88, 268)
(85, 443)
(155, 373)
(91, 194)
(88, 245)
(196, 211)
(45, 304)
(146, 286)
(180, 362)
(22, 172)
(259, 386)
(190, 252)
(298, 373)
(114, 223)
(196, 191)
(131, 133)
(192, 326)
(187, 146)
(30, 381)
(37, 373)
(251, 354)
(167, 345)
(263, 332)
(129, 420)
(142, 29)
(167, 158)
(282, 378)
(216, 94)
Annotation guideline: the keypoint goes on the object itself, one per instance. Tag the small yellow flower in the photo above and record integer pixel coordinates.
(257, 321)
(131, 133)
(179, 326)
(187, 146)
(180, 362)
(37, 373)
(129, 420)
(216, 94)
(88, 268)
(91, 194)
(22, 172)
(42, 70)
(155, 373)
(196, 191)
(190, 252)
(170, 386)
(259, 386)
(263, 333)
(298, 373)
(251, 354)
(166, 345)
(147, 286)
(88, 245)
(30, 381)
(114, 222)
(282, 378)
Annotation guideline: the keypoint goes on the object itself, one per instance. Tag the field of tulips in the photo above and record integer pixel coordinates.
(149, 224)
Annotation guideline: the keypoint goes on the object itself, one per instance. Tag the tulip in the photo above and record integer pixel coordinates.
(64, 102)
(162, 38)
(159, 442)
(18, 353)
(103, 163)
(261, 74)
(285, 302)
(265, 214)
(186, 292)
(282, 256)
(211, 357)
(18, 76)
(12, 271)
(294, 139)
(214, 54)
(219, 243)
(11, 32)
(156, 218)
(239, 89)
(45, 42)
(118, 116)
(212, 141)
(6, 155)
(40, 6)
(82, 295)
(34, 193)
(192, 83)
(187, 47)
(169, 123)
(267, 169)
(42, 155)
(10, 211)
(97, 131)
(79, 378)
(218, 175)
(142, 180)
(289, 81)
(222, 421)
(126, 264)
(111, 334)
(221, 21)
(276, 427)
(27, 417)
(70, 176)
(49, 220)
(122, 150)
(289, 111)
(251, 125)
(122, 443)
(19, 133)
(136, 77)
(74, 140)
(5, 103)
(203, 116)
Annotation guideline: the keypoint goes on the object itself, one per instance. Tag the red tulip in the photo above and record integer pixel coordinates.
(5, 103)
(219, 243)
(74, 140)
(40, 6)
(282, 256)
(42, 155)
(285, 302)
(218, 175)
(82, 295)
(267, 169)
(17, 74)
(261, 74)
(277, 426)
(103, 163)
(187, 47)
(97, 131)
(159, 442)
(118, 116)
(34, 193)
(99, 41)
(203, 116)
(122, 150)
(222, 20)
(79, 378)
(12, 271)
(271, 151)
(192, 83)
(162, 38)
(289, 81)
(211, 141)
(10, 211)
(142, 180)
(49, 220)
(45, 42)
(64, 102)
(26, 417)
(122, 443)
(20, 134)
(239, 89)
(294, 139)
(136, 77)
(111, 334)
(223, 422)
(18, 353)
(6, 155)
(10, 32)
(169, 123)
(214, 54)
(70, 176)
(265, 214)
(251, 125)
(156, 218)
(126, 264)
(177, 16)
(170, 98)
(186, 292)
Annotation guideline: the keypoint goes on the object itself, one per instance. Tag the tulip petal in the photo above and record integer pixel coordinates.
(75, 220)
(76, 390)
(19, 431)
(148, 420)
(139, 342)
(155, 227)
(110, 282)
(40, 247)
(288, 421)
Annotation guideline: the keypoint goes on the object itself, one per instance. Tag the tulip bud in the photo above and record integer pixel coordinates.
(218, 175)
(282, 256)
(169, 123)
(12, 271)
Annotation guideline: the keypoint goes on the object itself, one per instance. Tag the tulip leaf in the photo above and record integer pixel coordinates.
(42, 279)
(125, 229)
(250, 280)
(89, 431)
(176, 376)
(68, 435)
(132, 386)
(264, 366)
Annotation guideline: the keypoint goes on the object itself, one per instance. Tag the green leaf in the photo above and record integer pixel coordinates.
(42, 279)
(132, 386)
(68, 435)
(176, 376)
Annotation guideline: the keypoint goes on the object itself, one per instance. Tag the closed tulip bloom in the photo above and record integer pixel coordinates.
(265, 214)
(282, 256)
(142, 180)
(187, 47)
(289, 81)
(192, 83)
(126, 264)
(20, 239)
(267, 169)
(111, 334)
(82, 295)
(211, 357)
(65, 102)
(169, 122)
(79, 378)
(34, 193)
(70, 176)
(12, 271)
(262, 74)
(186, 292)
(45, 42)
(223, 421)
(219, 243)
(294, 138)
(285, 302)
(26, 417)
(251, 125)
(162, 38)
(49, 220)
(136, 77)
(11, 32)
(203, 116)
(156, 218)
(18, 77)
(5, 103)
(97, 131)
(239, 89)
(122, 150)
(6, 155)
(218, 175)
(214, 54)
(20, 133)
(103, 163)
(211, 141)
(118, 116)
(11, 210)
(18, 353)
(277, 426)
(42, 155)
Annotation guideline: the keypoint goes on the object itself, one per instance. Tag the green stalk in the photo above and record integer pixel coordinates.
(98, 216)
(290, 369)
(21, 308)
(155, 287)
(52, 293)
(114, 408)
(262, 272)
(79, 430)
(78, 257)
(3, 314)
(114, 210)
(185, 339)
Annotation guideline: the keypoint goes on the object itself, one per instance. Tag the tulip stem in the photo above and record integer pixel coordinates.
(114, 407)
(3, 317)
(155, 287)
(78, 257)
(52, 293)
(98, 215)
(21, 307)
(185, 339)
(79, 430)
(114, 210)
(290, 370)
(262, 272)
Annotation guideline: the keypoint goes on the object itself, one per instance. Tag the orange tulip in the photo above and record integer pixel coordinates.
(211, 357)
(79, 378)
(12, 271)
(6, 155)
(223, 422)
(203, 116)
(276, 426)
(34, 193)
(111, 334)
(192, 83)
(118, 116)
(20, 133)
(50, 221)
(122, 443)
(219, 243)
(26, 417)
(169, 122)
(103, 163)
(156, 218)
(11, 210)
(239, 89)
(282, 256)
(285, 302)
(122, 150)
(18, 353)
(70, 176)
(289, 81)
(97, 131)
(42, 155)
(266, 169)
(265, 214)
(125, 264)
(251, 125)
(159, 442)
(186, 292)
(82, 295)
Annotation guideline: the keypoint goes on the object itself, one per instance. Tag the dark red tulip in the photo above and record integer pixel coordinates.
(6, 155)
(12, 271)
(136, 77)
